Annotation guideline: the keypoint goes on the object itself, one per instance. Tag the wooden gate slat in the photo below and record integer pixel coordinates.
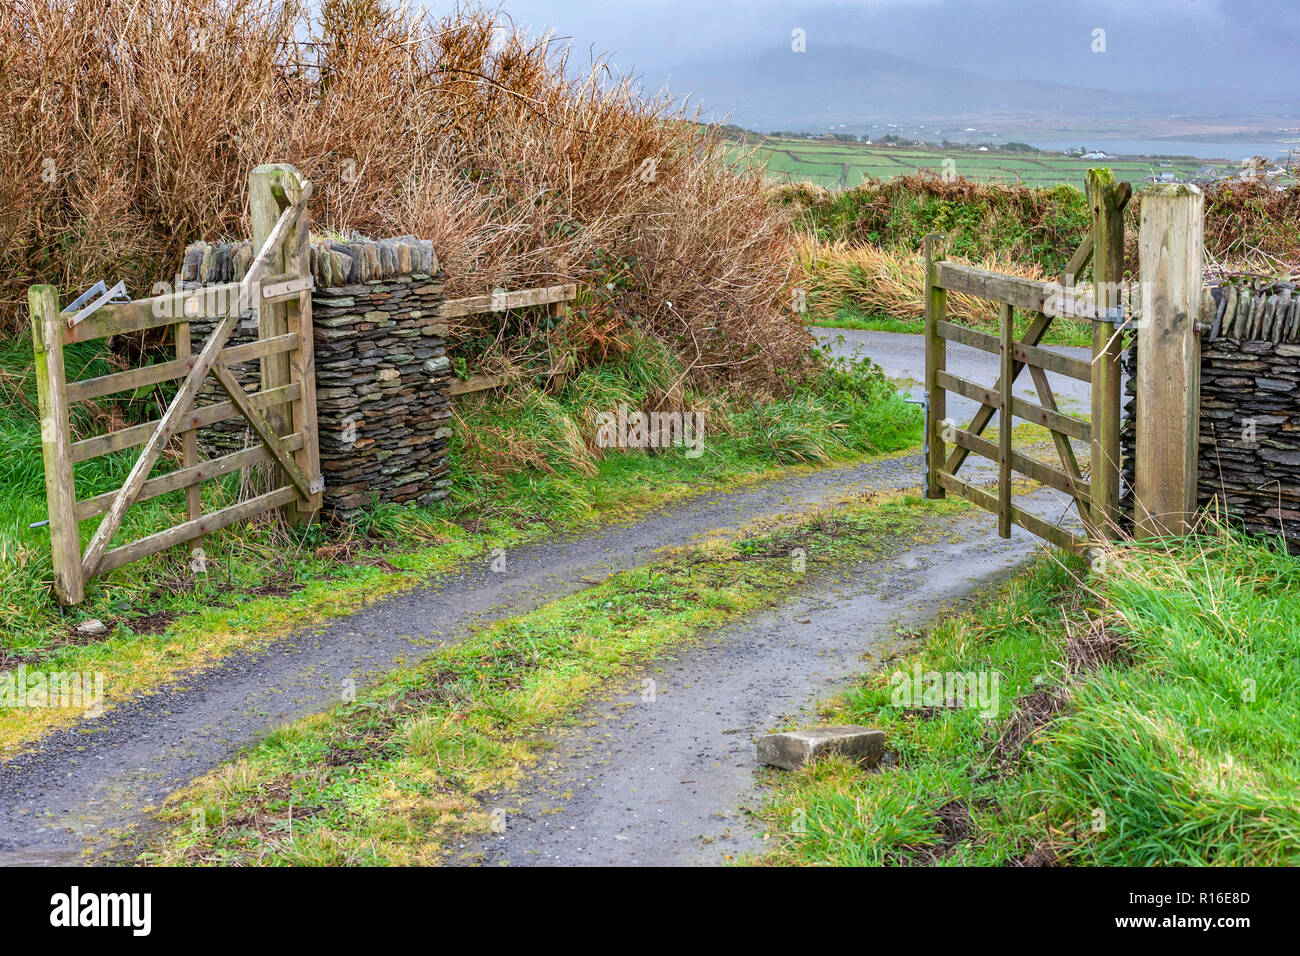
(189, 530)
(1005, 424)
(274, 444)
(936, 361)
(139, 315)
(189, 437)
(153, 448)
(1027, 294)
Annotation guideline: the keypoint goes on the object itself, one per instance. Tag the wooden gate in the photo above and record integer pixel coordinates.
(282, 413)
(1097, 495)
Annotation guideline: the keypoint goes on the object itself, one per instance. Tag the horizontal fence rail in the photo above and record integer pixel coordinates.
(549, 296)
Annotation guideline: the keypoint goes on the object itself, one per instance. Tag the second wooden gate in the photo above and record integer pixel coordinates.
(1096, 495)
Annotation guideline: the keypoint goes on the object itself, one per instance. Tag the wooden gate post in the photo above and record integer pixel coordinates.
(1171, 249)
(56, 444)
(1107, 199)
(936, 360)
(273, 188)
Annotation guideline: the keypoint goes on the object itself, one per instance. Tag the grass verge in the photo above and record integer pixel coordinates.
(1145, 716)
(393, 776)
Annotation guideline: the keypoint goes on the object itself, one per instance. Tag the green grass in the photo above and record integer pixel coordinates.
(396, 775)
(518, 475)
(832, 163)
(1146, 717)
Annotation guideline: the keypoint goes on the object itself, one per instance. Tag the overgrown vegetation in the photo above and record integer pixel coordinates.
(130, 129)
(872, 287)
(392, 777)
(1248, 224)
(1146, 717)
(860, 250)
(1033, 227)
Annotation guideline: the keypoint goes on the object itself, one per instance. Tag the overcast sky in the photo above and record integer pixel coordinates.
(1150, 44)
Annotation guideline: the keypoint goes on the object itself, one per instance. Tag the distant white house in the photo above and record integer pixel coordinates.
(983, 149)
(1097, 154)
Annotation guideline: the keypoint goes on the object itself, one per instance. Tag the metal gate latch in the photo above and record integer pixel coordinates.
(101, 294)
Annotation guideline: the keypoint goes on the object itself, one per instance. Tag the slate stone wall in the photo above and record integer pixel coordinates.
(382, 372)
(1250, 409)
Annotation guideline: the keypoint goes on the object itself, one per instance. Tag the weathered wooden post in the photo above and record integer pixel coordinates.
(1107, 199)
(273, 188)
(56, 443)
(1172, 248)
(1006, 377)
(936, 355)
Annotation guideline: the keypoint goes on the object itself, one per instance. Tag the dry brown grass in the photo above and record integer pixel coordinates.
(129, 129)
(1254, 227)
(889, 282)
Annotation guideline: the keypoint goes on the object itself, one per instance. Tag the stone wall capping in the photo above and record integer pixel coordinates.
(1249, 437)
(383, 378)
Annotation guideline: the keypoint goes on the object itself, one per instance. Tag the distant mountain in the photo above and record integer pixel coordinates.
(780, 89)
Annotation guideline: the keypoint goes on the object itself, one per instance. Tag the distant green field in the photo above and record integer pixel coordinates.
(845, 165)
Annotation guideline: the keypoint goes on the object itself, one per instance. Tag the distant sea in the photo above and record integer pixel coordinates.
(1236, 150)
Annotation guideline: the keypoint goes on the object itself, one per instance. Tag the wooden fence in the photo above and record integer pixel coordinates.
(281, 413)
(549, 296)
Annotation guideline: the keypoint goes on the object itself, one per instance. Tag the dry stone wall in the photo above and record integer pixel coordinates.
(382, 372)
(1250, 409)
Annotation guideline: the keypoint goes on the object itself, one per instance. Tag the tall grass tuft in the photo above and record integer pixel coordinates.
(888, 282)
(1190, 748)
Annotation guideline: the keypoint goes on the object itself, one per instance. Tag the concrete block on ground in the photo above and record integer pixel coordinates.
(792, 749)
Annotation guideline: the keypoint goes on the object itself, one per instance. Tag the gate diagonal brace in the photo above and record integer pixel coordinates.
(283, 457)
(167, 427)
